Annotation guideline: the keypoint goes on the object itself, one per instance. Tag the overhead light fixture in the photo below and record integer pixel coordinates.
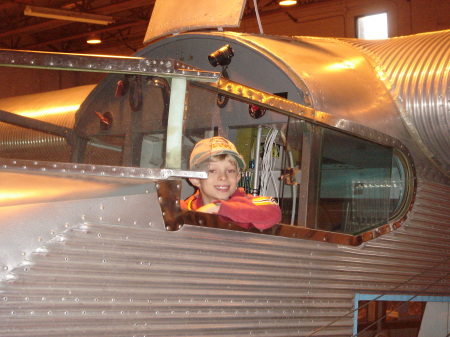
(93, 39)
(287, 2)
(60, 14)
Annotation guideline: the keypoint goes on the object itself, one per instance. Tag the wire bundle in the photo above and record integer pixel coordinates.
(268, 163)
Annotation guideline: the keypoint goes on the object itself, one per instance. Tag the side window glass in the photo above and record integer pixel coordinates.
(105, 150)
(140, 135)
(126, 129)
(361, 184)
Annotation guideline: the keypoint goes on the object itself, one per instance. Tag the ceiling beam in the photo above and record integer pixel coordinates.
(60, 14)
(79, 36)
(52, 24)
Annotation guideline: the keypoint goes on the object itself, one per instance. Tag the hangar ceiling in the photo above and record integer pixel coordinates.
(131, 17)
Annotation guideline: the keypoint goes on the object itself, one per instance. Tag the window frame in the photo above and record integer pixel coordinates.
(313, 144)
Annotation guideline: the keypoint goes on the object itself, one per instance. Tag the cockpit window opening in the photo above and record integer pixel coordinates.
(324, 179)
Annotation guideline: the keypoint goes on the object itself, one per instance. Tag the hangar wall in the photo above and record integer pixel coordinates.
(326, 19)
(337, 18)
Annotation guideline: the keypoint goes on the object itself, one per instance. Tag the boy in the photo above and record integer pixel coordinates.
(219, 193)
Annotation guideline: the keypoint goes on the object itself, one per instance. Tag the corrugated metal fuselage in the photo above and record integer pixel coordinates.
(101, 263)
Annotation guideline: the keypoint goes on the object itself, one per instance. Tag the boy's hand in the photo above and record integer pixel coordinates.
(209, 208)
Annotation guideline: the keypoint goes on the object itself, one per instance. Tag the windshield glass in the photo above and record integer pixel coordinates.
(124, 121)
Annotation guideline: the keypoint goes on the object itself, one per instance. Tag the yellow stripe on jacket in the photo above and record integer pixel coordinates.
(264, 201)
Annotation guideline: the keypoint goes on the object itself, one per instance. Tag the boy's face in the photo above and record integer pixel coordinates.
(222, 181)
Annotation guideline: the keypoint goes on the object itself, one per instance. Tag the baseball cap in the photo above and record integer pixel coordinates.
(210, 147)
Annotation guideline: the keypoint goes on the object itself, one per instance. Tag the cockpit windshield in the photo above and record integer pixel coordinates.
(129, 120)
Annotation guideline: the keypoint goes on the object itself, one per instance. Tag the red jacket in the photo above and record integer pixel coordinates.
(245, 209)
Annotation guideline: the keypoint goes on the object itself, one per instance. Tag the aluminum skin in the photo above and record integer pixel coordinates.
(96, 258)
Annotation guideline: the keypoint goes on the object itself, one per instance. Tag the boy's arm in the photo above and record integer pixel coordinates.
(261, 212)
(209, 208)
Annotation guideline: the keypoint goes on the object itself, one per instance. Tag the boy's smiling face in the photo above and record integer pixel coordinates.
(222, 181)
